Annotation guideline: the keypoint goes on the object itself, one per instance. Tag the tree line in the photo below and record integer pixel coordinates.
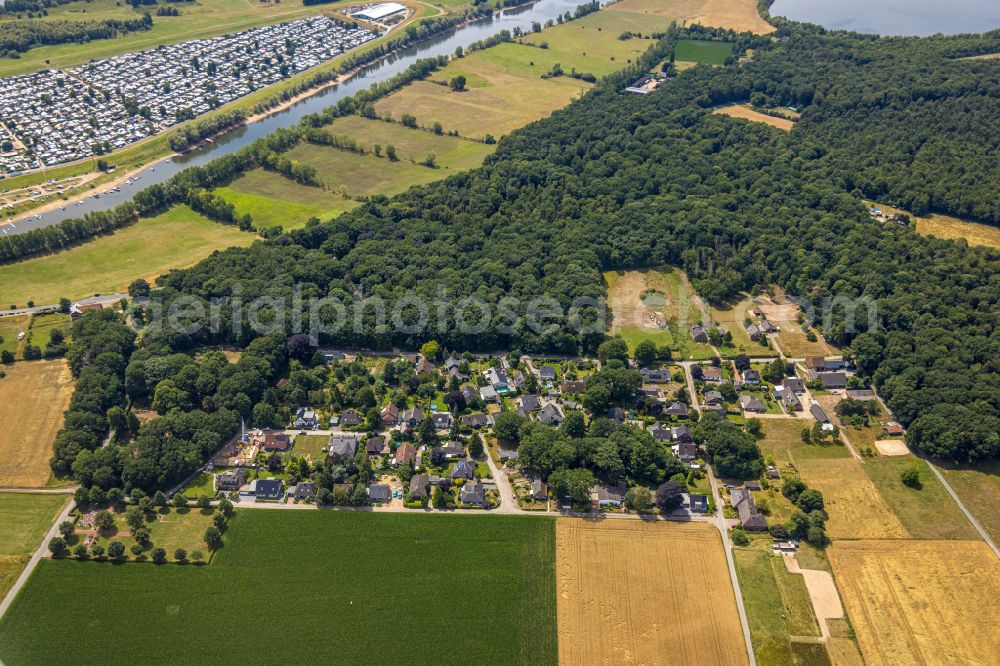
(19, 36)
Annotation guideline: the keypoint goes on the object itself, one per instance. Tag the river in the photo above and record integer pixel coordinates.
(895, 17)
(442, 44)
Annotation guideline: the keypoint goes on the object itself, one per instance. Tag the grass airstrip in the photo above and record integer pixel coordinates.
(320, 585)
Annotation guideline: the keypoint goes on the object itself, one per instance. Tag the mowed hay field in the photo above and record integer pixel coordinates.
(746, 113)
(979, 490)
(857, 510)
(271, 199)
(921, 602)
(33, 397)
(644, 593)
(948, 227)
(306, 587)
(175, 239)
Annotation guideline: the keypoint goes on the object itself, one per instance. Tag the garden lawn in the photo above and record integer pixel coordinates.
(310, 445)
(10, 327)
(927, 513)
(202, 484)
(175, 239)
(42, 327)
(310, 587)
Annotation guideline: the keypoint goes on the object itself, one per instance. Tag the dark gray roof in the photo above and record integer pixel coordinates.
(379, 492)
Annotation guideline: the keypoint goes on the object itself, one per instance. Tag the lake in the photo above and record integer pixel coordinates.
(895, 17)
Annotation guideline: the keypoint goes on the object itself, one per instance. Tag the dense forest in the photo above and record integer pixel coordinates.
(620, 181)
(19, 36)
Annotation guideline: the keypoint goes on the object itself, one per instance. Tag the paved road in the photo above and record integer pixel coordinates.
(508, 502)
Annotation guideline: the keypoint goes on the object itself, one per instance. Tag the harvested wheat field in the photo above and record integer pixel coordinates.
(33, 397)
(644, 593)
(857, 510)
(746, 113)
(921, 602)
(738, 15)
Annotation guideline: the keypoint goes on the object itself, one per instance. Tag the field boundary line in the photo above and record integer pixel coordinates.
(968, 514)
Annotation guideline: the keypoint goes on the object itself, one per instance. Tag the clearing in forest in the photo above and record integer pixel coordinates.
(794, 342)
(657, 305)
(33, 397)
(921, 602)
(946, 226)
(632, 592)
(747, 113)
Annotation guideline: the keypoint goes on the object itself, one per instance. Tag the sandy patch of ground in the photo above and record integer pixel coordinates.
(892, 447)
(921, 602)
(33, 397)
(822, 593)
(630, 592)
(746, 113)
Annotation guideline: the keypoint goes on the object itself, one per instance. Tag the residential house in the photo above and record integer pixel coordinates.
(375, 446)
(680, 433)
(713, 398)
(751, 377)
(547, 373)
(406, 454)
(677, 409)
(711, 374)
(267, 489)
(453, 450)
(687, 452)
(413, 416)
(750, 518)
(655, 376)
(550, 415)
(794, 384)
(497, 377)
(787, 398)
(477, 421)
(539, 490)
(454, 372)
(420, 485)
(699, 333)
(753, 485)
(379, 492)
(390, 415)
(572, 386)
(230, 479)
(528, 403)
(303, 490)
(661, 433)
(488, 394)
(342, 447)
(603, 495)
(351, 419)
(306, 418)
(464, 469)
(754, 332)
(817, 363)
(276, 442)
(473, 494)
(424, 367)
(442, 420)
(698, 503)
(751, 404)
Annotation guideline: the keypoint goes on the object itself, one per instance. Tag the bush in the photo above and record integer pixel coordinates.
(116, 549)
(778, 531)
(57, 546)
(740, 537)
(911, 477)
(180, 555)
(159, 555)
(80, 551)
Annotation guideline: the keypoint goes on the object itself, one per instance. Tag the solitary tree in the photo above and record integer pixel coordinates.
(57, 546)
(66, 529)
(911, 477)
(180, 555)
(213, 538)
(159, 555)
(457, 83)
(669, 497)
